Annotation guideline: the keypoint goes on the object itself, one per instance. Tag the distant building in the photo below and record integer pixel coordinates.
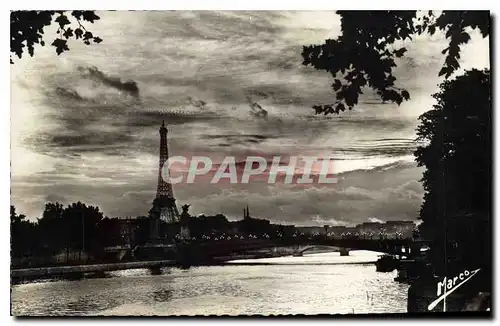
(336, 231)
(341, 232)
(252, 226)
(350, 230)
(402, 228)
(311, 230)
(119, 231)
(127, 230)
(288, 230)
(246, 213)
(369, 230)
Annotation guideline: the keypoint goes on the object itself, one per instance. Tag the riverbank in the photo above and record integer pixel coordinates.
(18, 275)
(78, 271)
(291, 286)
(97, 270)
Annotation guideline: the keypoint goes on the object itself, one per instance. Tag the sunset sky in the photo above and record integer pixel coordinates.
(84, 125)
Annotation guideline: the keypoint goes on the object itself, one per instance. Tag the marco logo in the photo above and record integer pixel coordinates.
(447, 286)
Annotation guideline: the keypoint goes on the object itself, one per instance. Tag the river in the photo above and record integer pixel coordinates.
(323, 283)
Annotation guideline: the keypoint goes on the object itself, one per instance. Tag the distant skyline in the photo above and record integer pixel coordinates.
(84, 125)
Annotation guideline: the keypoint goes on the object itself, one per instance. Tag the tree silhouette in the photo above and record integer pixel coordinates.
(365, 52)
(23, 235)
(415, 233)
(14, 218)
(53, 234)
(457, 181)
(82, 224)
(27, 29)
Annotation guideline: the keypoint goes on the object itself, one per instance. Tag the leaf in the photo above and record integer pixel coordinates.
(405, 95)
(62, 20)
(340, 107)
(336, 85)
(77, 13)
(90, 16)
(364, 38)
(463, 38)
(19, 51)
(78, 33)
(61, 45)
(432, 29)
(445, 71)
(68, 33)
(97, 39)
(87, 36)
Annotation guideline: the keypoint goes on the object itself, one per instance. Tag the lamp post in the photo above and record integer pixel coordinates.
(83, 235)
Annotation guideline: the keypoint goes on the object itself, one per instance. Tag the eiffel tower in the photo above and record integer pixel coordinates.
(164, 208)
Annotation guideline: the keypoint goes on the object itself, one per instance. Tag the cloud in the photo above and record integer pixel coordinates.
(257, 111)
(83, 140)
(238, 139)
(68, 93)
(197, 103)
(331, 222)
(95, 74)
(357, 197)
(55, 198)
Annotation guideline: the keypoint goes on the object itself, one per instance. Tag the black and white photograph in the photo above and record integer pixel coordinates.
(333, 163)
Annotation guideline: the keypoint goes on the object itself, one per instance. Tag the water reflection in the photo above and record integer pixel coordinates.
(162, 295)
(282, 288)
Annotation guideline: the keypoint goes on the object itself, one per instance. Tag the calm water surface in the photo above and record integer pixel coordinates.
(314, 284)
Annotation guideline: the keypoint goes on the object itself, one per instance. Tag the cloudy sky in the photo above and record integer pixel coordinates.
(85, 124)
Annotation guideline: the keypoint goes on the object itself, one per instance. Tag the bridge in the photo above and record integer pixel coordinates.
(206, 250)
(192, 253)
(222, 247)
(199, 252)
